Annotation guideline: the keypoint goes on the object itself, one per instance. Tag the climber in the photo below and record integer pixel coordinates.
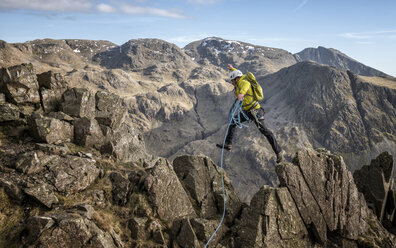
(253, 110)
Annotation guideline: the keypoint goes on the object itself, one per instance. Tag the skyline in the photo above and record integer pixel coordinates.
(363, 30)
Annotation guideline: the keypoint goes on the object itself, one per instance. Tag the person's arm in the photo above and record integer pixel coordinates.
(230, 67)
(244, 88)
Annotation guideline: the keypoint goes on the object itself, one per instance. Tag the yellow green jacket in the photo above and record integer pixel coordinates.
(243, 87)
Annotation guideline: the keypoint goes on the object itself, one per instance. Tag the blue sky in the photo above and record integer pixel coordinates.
(364, 30)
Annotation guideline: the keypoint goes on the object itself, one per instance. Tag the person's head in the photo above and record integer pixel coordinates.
(235, 76)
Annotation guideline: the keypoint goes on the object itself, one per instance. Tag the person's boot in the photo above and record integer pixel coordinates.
(226, 146)
(279, 157)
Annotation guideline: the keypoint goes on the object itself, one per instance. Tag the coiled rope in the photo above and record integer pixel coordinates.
(234, 118)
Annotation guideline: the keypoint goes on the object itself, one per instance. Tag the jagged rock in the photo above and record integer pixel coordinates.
(202, 180)
(51, 80)
(138, 228)
(109, 109)
(42, 193)
(186, 236)
(125, 143)
(50, 130)
(166, 193)
(375, 182)
(272, 219)
(157, 234)
(78, 103)
(325, 194)
(19, 84)
(52, 86)
(11, 188)
(204, 229)
(121, 188)
(65, 230)
(29, 163)
(88, 133)
(9, 112)
(70, 174)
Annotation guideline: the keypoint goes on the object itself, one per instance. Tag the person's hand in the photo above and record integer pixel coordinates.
(240, 97)
(229, 67)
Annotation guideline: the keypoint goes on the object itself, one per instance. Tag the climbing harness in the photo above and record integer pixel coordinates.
(234, 118)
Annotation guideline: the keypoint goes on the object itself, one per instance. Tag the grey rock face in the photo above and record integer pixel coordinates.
(325, 194)
(42, 193)
(8, 112)
(66, 230)
(272, 219)
(166, 193)
(19, 84)
(375, 181)
(87, 132)
(50, 130)
(52, 86)
(202, 180)
(109, 109)
(71, 174)
(78, 103)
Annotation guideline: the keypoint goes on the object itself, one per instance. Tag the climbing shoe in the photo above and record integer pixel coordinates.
(279, 157)
(226, 146)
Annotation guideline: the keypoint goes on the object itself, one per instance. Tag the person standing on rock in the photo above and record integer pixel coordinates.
(243, 92)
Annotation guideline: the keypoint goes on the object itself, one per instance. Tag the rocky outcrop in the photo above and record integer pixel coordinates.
(52, 86)
(19, 84)
(375, 181)
(325, 194)
(333, 57)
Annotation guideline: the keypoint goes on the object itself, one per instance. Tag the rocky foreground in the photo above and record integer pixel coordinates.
(74, 173)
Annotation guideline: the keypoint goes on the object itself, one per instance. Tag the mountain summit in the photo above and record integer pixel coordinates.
(333, 57)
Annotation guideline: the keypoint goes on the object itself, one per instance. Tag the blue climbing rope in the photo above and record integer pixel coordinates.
(234, 118)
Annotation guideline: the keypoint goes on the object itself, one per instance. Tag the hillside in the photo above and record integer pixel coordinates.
(163, 87)
(74, 173)
(333, 57)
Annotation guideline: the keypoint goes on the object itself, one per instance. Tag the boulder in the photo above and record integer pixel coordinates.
(19, 84)
(166, 194)
(78, 103)
(88, 133)
(125, 143)
(186, 236)
(121, 188)
(29, 163)
(202, 180)
(9, 112)
(272, 219)
(50, 130)
(52, 86)
(65, 230)
(70, 174)
(325, 194)
(42, 193)
(109, 109)
(375, 182)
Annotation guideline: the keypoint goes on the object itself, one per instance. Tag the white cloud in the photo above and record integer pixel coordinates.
(47, 5)
(369, 35)
(136, 10)
(87, 5)
(105, 8)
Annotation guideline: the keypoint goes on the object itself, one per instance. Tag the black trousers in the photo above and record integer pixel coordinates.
(257, 116)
